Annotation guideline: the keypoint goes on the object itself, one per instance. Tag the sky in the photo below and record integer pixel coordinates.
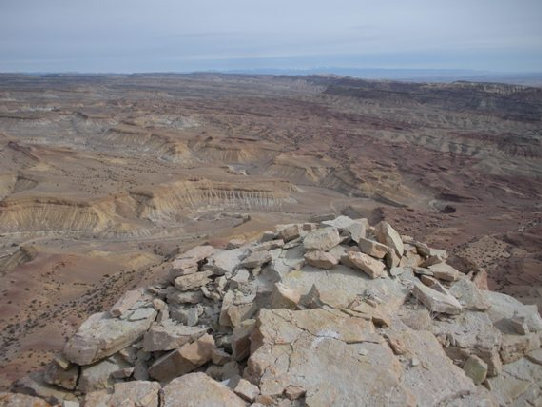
(129, 36)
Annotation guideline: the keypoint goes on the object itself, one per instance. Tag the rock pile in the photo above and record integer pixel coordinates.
(335, 313)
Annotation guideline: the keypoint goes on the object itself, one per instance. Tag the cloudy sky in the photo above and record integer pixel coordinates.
(189, 35)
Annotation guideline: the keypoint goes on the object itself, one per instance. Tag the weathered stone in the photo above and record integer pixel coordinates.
(127, 302)
(197, 390)
(241, 340)
(235, 243)
(513, 347)
(241, 278)
(183, 360)
(471, 333)
(300, 348)
(503, 306)
(56, 375)
(284, 297)
(193, 281)
(476, 369)
(188, 262)
(186, 315)
(246, 390)
(99, 376)
(289, 232)
(294, 392)
(388, 236)
(468, 295)
(129, 394)
(321, 259)
(391, 259)
(100, 336)
(175, 296)
(373, 248)
(436, 301)
(432, 260)
(270, 245)
(323, 239)
(230, 371)
(442, 271)
(33, 384)
(224, 261)
(21, 400)
(169, 335)
(373, 268)
(256, 259)
(221, 357)
(535, 356)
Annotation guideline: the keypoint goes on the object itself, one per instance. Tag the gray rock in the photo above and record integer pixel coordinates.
(436, 301)
(373, 248)
(169, 335)
(183, 360)
(101, 336)
(468, 295)
(361, 261)
(256, 259)
(323, 239)
(197, 390)
(388, 236)
(321, 259)
(193, 281)
(476, 369)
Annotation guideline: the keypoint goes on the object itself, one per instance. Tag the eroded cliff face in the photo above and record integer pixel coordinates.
(314, 314)
(103, 180)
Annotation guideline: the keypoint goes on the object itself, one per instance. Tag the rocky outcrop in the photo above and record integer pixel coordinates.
(335, 314)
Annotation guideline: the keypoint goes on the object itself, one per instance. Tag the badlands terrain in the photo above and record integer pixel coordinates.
(104, 180)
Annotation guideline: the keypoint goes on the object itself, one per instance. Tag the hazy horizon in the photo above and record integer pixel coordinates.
(167, 36)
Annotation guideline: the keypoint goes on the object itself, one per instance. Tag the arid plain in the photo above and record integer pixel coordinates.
(103, 179)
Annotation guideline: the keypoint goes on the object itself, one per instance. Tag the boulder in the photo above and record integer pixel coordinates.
(197, 390)
(193, 281)
(289, 232)
(373, 248)
(183, 360)
(128, 302)
(468, 295)
(189, 261)
(476, 369)
(442, 271)
(133, 394)
(63, 377)
(100, 375)
(372, 267)
(321, 259)
(436, 301)
(169, 335)
(246, 390)
(323, 239)
(224, 261)
(21, 400)
(256, 259)
(101, 336)
(388, 236)
(284, 297)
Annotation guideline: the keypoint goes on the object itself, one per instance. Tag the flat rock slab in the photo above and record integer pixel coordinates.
(437, 301)
(137, 394)
(101, 336)
(169, 335)
(198, 390)
(324, 239)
